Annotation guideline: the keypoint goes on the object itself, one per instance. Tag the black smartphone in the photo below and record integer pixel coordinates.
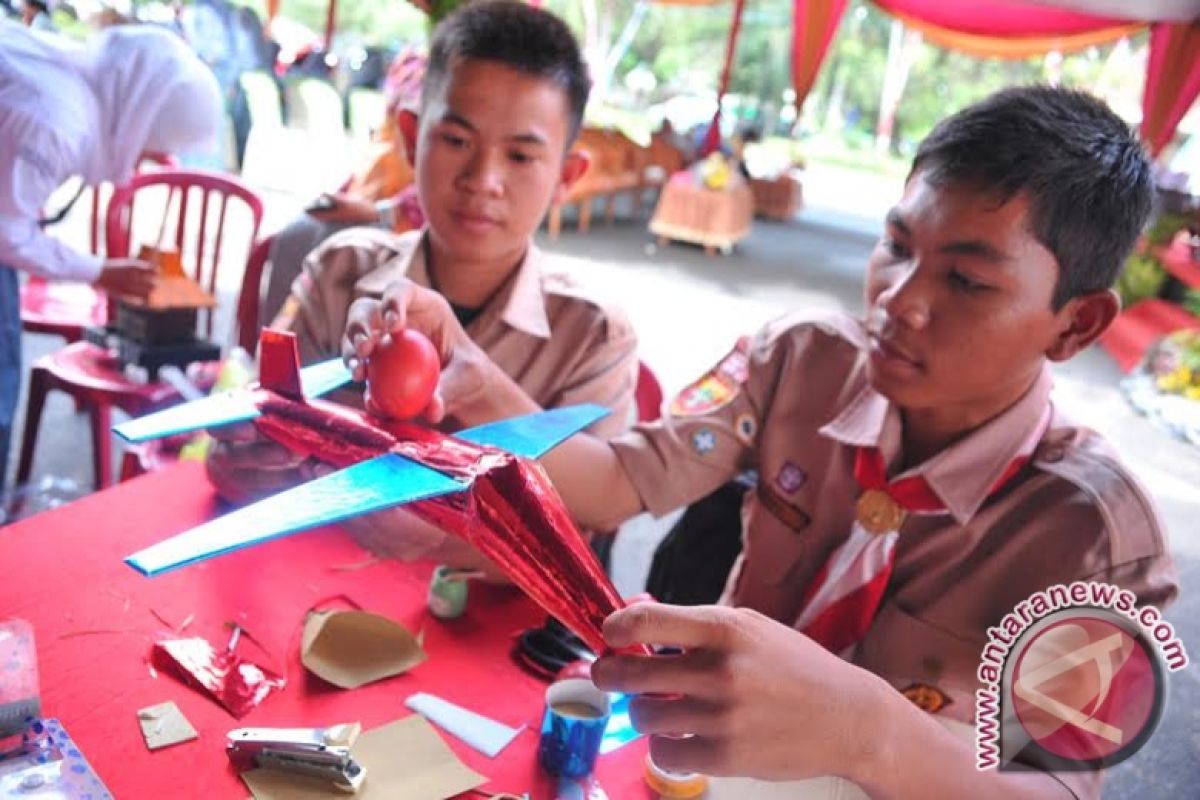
(323, 203)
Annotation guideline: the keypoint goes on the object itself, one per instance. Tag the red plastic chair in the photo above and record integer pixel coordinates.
(648, 394)
(92, 375)
(66, 309)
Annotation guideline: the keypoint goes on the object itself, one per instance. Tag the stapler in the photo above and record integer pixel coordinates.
(322, 753)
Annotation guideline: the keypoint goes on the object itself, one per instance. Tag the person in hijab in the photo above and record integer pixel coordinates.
(90, 111)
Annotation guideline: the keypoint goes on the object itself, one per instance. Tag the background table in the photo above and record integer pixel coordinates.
(95, 620)
(714, 218)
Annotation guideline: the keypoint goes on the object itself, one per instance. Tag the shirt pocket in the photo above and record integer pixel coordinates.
(905, 649)
(774, 544)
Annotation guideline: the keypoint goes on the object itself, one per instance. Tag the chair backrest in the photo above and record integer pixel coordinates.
(247, 324)
(315, 106)
(262, 98)
(199, 230)
(367, 109)
(647, 394)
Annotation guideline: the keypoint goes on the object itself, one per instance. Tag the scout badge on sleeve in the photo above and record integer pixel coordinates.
(717, 387)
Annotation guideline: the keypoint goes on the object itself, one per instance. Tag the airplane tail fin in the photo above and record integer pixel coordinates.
(279, 363)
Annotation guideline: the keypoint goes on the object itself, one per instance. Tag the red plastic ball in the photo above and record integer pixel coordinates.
(402, 372)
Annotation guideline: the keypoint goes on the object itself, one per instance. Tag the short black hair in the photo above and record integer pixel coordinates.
(1088, 179)
(518, 36)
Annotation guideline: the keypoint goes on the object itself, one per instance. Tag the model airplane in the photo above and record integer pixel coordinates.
(381, 463)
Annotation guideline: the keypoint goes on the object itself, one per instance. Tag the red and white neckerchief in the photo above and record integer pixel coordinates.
(841, 602)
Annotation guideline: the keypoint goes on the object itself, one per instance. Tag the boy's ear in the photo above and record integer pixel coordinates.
(1088, 316)
(409, 123)
(574, 166)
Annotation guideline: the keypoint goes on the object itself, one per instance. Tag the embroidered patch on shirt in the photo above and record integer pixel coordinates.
(790, 477)
(717, 388)
(703, 441)
(925, 697)
(745, 427)
(787, 513)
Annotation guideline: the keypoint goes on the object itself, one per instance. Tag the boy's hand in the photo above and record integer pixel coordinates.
(748, 696)
(343, 208)
(465, 368)
(245, 466)
(129, 277)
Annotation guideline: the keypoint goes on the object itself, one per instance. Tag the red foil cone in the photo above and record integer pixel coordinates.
(236, 684)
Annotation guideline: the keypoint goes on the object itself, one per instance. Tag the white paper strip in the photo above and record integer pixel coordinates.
(485, 735)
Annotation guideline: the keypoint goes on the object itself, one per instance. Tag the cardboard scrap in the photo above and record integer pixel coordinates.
(404, 759)
(353, 648)
(164, 725)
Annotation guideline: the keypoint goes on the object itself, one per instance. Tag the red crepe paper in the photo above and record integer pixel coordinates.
(235, 683)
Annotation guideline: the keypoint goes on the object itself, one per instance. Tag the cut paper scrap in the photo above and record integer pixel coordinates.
(353, 648)
(484, 734)
(404, 759)
(235, 683)
(164, 725)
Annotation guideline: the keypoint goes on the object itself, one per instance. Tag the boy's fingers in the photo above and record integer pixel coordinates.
(692, 754)
(685, 674)
(672, 716)
(658, 623)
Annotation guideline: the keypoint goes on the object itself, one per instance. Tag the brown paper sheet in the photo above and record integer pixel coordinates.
(353, 648)
(404, 759)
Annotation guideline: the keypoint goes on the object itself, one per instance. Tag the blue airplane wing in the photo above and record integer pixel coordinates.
(207, 412)
(533, 435)
(323, 378)
(225, 408)
(382, 482)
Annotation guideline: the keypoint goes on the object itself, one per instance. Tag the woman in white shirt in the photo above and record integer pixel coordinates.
(91, 111)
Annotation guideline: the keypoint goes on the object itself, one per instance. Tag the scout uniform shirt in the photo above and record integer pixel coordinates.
(559, 346)
(795, 402)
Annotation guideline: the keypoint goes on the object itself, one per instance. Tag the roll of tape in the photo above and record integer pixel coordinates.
(674, 785)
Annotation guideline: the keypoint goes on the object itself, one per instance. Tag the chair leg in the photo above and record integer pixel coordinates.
(39, 385)
(555, 223)
(610, 209)
(101, 445)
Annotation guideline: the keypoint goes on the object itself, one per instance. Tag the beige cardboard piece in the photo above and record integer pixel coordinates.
(404, 759)
(164, 725)
(352, 648)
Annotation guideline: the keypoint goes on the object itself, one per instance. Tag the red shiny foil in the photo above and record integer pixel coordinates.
(515, 517)
(512, 514)
(232, 681)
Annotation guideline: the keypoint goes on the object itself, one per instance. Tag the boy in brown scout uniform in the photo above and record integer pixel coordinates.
(501, 104)
(924, 430)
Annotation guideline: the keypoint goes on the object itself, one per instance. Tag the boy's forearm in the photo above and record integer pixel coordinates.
(922, 759)
(584, 469)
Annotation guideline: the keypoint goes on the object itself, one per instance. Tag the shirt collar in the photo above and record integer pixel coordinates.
(520, 301)
(963, 474)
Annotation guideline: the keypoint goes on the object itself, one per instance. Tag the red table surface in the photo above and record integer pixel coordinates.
(93, 623)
